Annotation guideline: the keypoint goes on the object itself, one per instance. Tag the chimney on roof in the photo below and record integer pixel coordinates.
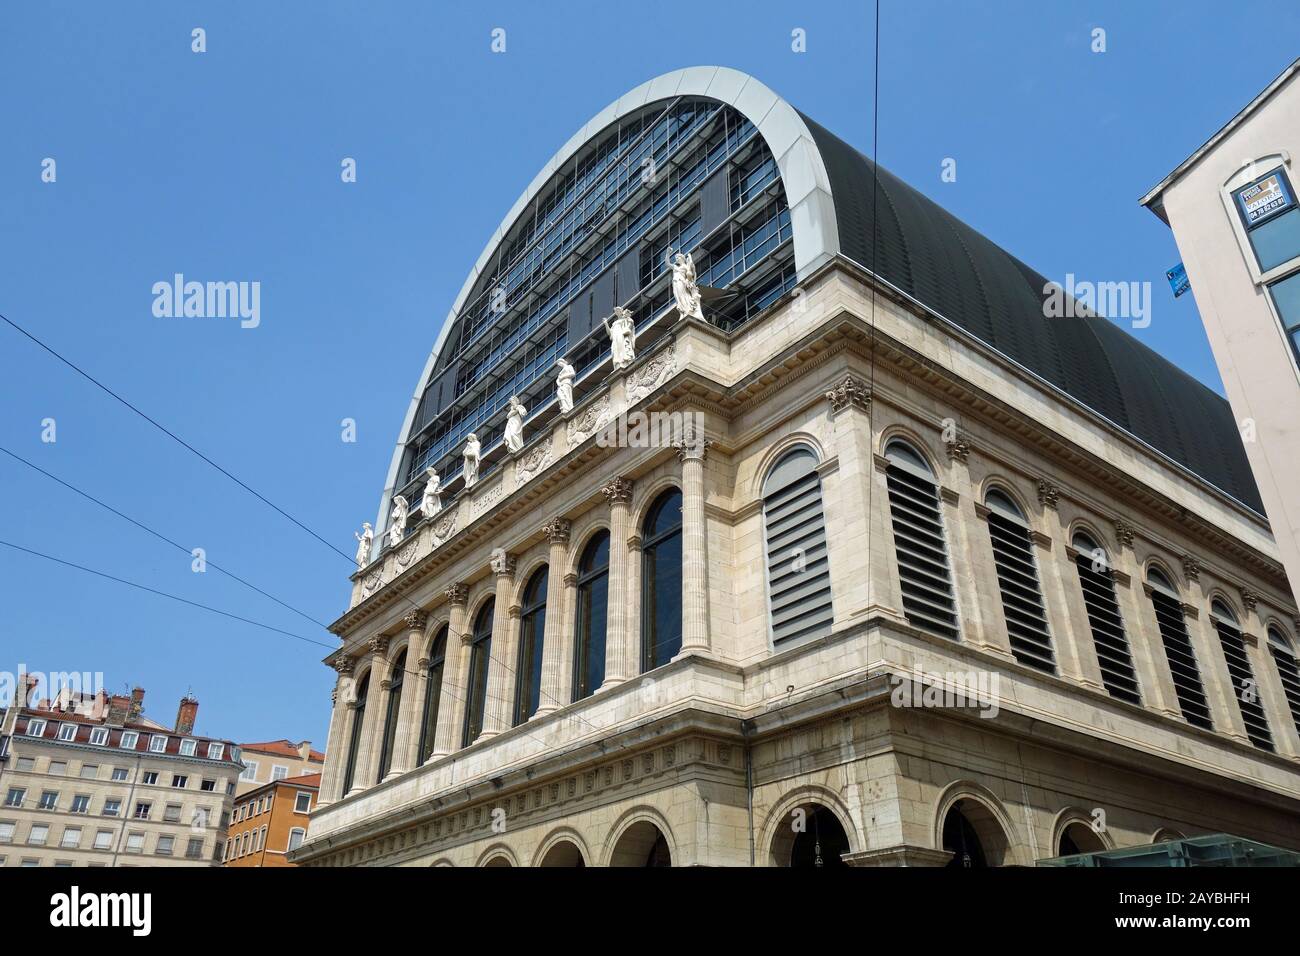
(119, 707)
(186, 714)
(29, 684)
(304, 750)
(137, 704)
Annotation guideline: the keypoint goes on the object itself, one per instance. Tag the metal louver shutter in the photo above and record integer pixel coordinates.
(1289, 673)
(1182, 662)
(1108, 635)
(798, 573)
(922, 555)
(1022, 599)
(1244, 687)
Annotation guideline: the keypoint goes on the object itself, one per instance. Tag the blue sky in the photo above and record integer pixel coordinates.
(225, 166)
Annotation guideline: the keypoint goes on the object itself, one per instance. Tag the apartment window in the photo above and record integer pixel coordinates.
(172, 813)
(1244, 687)
(89, 771)
(1178, 649)
(129, 740)
(99, 736)
(38, 834)
(157, 744)
(103, 839)
(58, 767)
(35, 728)
(150, 777)
(794, 533)
(279, 772)
(165, 844)
(189, 747)
(917, 518)
(1282, 650)
(1018, 583)
(81, 803)
(1286, 298)
(142, 809)
(119, 773)
(250, 771)
(68, 732)
(15, 797)
(71, 837)
(194, 849)
(49, 800)
(112, 807)
(28, 861)
(296, 836)
(135, 842)
(180, 780)
(593, 617)
(216, 751)
(200, 817)
(301, 802)
(6, 831)
(1272, 220)
(26, 764)
(208, 786)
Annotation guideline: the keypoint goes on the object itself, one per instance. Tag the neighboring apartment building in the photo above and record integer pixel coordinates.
(274, 760)
(91, 781)
(1233, 209)
(268, 822)
(926, 577)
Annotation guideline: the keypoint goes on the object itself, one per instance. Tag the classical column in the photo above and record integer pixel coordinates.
(413, 691)
(848, 513)
(336, 744)
(1076, 654)
(632, 619)
(1272, 697)
(695, 546)
(618, 656)
(1141, 629)
(551, 696)
(367, 766)
(502, 660)
(451, 707)
(1209, 657)
(568, 645)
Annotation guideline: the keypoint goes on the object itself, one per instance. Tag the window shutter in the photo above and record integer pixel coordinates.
(798, 573)
(1022, 599)
(1244, 686)
(1288, 671)
(1108, 635)
(922, 554)
(1182, 662)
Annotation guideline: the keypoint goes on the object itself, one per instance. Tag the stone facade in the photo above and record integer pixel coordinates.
(721, 756)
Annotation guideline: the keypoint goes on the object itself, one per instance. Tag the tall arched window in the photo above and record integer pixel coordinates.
(1282, 649)
(917, 518)
(1244, 687)
(1178, 649)
(1113, 656)
(794, 531)
(391, 715)
(433, 695)
(354, 737)
(1022, 595)
(480, 653)
(661, 581)
(593, 613)
(532, 626)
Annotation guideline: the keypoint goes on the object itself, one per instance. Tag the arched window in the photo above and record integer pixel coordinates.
(593, 611)
(433, 695)
(1108, 637)
(1022, 596)
(480, 653)
(1282, 649)
(794, 530)
(354, 737)
(1178, 649)
(391, 715)
(1244, 687)
(661, 581)
(917, 518)
(532, 627)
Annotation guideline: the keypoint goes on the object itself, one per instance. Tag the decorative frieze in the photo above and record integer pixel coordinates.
(443, 529)
(851, 392)
(653, 374)
(533, 463)
(587, 422)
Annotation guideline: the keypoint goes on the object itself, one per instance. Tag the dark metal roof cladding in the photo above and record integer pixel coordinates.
(954, 270)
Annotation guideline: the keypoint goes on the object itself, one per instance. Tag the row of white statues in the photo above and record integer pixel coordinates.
(622, 346)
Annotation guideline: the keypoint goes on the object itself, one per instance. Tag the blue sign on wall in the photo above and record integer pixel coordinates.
(1178, 280)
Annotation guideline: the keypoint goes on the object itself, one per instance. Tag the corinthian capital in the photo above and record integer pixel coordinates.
(557, 530)
(502, 561)
(851, 392)
(457, 594)
(414, 620)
